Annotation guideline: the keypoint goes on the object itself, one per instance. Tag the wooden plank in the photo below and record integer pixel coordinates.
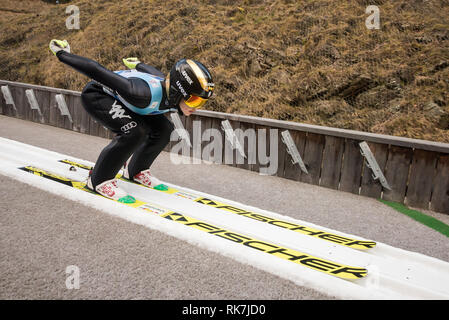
(60, 119)
(370, 187)
(274, 145)
(397, 173)
(206, 124)
(217, 155)
(30, 114)
(281, 154)
(240, 132)
(189, 127)
(70, 106)
(351, 174)
(84, 123)
(94, 127)
(78, 108)
(251, 147)
(197, 130)
(23, 108)
(248, 140)
(332, 162)
(195, 137)
(440, 195)
(43, 98)
(13, 113)
(54, 110)
(2, 102)
(267, 153)
(177, 138)
(18, 94)
(8, 109)
(313, 156)
(259, 147)
(204, 137)
(228, 151)
(422, 175)
(102, 131)
(235, 153)
(174, 139)
(293, 171)
(34, 114)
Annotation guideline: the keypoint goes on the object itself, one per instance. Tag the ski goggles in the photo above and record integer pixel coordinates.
(195, 102)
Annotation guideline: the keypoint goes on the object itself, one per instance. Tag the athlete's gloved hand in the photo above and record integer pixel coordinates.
(131, 63)
(58, 45)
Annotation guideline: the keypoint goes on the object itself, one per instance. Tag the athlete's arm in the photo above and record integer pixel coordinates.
(135, 63)
(142, 67)
(135, 91)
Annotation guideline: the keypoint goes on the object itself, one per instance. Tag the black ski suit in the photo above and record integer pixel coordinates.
(142, 136)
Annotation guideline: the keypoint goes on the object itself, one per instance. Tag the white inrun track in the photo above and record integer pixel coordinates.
(392, 273)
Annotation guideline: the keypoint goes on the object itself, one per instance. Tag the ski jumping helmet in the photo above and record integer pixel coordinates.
(191, 81)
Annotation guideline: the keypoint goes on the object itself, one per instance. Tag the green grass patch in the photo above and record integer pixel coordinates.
(429, 221)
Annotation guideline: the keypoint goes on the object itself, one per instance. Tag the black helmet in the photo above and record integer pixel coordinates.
(191, 81)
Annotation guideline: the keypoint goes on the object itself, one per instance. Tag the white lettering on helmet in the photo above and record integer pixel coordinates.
(186, 76)
(184, 93)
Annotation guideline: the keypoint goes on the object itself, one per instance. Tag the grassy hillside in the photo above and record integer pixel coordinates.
(311, 61)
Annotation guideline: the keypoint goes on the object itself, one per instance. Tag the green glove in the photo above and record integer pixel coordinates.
(58, 45)
(131, 63)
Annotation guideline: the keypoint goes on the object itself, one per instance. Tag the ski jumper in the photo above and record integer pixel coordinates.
(130, 103)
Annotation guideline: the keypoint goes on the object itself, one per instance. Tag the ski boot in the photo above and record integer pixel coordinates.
(111, 190)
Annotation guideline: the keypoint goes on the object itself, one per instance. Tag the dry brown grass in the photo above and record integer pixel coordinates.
(310, 61)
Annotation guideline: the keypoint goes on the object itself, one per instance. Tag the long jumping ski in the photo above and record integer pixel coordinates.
(344, 241)
(329, 267)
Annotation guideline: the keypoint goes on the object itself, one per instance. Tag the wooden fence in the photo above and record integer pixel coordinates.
(416, 170)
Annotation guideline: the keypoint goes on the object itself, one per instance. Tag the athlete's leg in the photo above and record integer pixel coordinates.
(130, 129)
(158, 137)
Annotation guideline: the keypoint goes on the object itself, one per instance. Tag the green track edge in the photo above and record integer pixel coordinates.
(429, 221)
